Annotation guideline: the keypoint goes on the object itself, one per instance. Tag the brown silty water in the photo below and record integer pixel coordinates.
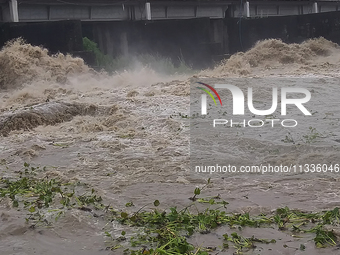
(125, 136)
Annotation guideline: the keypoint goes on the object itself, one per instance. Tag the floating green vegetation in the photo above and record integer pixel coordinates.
(155, 231)
(39, 195)
(312, 135)
(288, 139)
(241, 243)
(167, 231)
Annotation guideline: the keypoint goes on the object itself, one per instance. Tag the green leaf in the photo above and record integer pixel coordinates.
(70, 194)
(15, 203)
(319, 245)
(235, 235)
(124, 215)
(156, 203)
(32, 209)
(129, 204)
(302, 247)
(123, 233)
(197, 191)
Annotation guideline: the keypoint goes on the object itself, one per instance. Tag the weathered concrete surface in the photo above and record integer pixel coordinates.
(59, 36)
(244, 33)
(196, 41)
(191, 40)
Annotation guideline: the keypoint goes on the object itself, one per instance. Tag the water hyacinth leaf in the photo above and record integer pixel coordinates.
(70, 194)
(124, 215)
(107, 234)
(15, 203)
(129, 204)
(156, 203)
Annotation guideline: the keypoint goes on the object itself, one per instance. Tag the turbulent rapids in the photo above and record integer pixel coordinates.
(127, 136)
(42, 114)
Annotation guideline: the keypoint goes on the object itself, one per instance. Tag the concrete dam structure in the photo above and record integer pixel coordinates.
(108, 10)
(210, 33)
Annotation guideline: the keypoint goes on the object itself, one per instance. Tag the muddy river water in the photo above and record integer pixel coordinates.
(127, 136)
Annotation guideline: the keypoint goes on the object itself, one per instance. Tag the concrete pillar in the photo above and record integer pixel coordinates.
(247, 10)
(13, 7)
(124, 45)
(315, 7)
(148, 11)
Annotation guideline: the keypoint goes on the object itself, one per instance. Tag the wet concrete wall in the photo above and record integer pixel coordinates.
(59, 36)
(244, 33)
(200, 42)
(192, 40)
(196, 41)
